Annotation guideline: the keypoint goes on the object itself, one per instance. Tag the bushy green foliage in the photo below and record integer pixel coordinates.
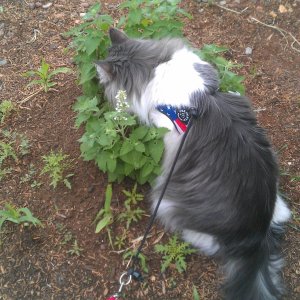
(90, 42)
(56, 165)
(44, 76)
(152, 19)
(229, 81)
(174, 252)
(18, 216)
(115, 140)
(6, 108)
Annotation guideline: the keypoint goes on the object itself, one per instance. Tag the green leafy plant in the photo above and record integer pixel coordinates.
(132, 214)
(195, 293)
(75, 250)
(229, 81)
(18, 216)
(120, 240)
(6, 108)
(44, 76)
(6, 151)
(153, 19)
(56, 165)
(90, 42)
(120, 146)
(174, 252)
(24, 145)
(105, 218)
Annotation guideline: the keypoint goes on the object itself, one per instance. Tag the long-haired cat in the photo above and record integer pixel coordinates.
(222, 196)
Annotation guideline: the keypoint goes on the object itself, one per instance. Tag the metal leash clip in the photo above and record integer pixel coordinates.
(125, 279)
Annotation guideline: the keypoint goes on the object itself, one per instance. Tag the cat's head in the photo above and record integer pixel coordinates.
(130, 63)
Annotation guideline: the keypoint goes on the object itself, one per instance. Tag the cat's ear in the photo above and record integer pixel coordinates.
(117, 36)
(104, 70)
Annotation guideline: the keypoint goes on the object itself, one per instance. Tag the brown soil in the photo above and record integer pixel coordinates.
(34, 262)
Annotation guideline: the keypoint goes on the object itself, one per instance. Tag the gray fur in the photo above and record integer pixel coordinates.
(225, 181)
(133, 62)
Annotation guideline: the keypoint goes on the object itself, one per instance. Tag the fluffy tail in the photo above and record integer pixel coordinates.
(255, 275)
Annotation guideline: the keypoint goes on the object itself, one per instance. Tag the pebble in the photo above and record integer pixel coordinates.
(248, 51)
(85, 5)
(3, 61)
(47, 5)
(31, 5)
(222, 2)
(82, 14)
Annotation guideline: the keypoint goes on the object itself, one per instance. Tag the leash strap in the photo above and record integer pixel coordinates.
(192, 114)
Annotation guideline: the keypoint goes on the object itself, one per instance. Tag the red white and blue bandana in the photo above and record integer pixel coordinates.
(179, 116)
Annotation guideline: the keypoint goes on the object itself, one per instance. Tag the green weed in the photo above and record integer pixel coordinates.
(174, 252)
(75, 250)
(104, 218)
(120, 240)
(132, 214)
(6, 151)
(195, 293)
(18, 216)
(56, 165)
(44, 76)
(152, 19)
(6, 108)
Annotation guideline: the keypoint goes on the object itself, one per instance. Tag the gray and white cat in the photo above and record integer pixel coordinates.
(222, 196)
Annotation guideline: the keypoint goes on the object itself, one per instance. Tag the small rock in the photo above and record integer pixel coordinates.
(38, 4)
(248, 51)
(91, 189)
(82, 14)
(222, 2)
(31, 5)
(3, 61)
(53, 46)
(85, 5)
(47, 5)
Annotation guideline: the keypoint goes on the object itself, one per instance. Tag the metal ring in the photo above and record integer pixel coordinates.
(126, 281)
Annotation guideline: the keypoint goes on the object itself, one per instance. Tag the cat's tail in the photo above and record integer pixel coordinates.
(255, 274)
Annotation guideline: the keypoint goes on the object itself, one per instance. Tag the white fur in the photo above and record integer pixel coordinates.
(164, 211)
(205, 242)
(103, 75)
(170, 87)
(281, 212)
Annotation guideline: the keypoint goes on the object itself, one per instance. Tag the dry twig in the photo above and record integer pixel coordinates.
(283, 32)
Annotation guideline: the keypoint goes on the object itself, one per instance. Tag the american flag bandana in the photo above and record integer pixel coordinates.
(179, 116)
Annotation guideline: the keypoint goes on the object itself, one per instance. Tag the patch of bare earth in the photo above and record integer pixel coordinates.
(35, 263)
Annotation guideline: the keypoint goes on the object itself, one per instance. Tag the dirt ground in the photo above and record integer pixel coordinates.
(35, 262)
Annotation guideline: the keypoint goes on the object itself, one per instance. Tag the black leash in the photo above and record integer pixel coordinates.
(133, 272)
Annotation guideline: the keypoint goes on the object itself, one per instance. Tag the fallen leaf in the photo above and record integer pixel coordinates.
(282, 9)
(273, 14)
